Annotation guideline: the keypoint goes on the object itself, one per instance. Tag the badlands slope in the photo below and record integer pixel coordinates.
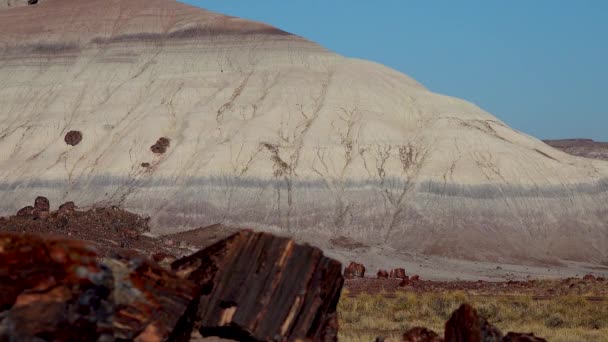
(274, 132)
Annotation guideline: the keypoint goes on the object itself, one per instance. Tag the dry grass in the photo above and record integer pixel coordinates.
(563, 318)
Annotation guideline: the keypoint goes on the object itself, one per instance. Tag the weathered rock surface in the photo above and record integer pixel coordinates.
(255, 286)
(272, 131)
(59, 290)
(354, 270)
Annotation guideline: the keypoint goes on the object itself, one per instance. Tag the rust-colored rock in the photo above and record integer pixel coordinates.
(67, 207)
(415, 277)
(26, 211)
(42, 203)
(41, 214)
(60, 290)
(466, 326)
(517, 337)
(354, 270)
(589, 277)
(382, 274)
(398, 273)
(161, 145)
(73, 138)
(419, 334)
(255, 286)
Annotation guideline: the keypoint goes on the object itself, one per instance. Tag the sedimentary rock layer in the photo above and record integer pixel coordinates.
(265, 129)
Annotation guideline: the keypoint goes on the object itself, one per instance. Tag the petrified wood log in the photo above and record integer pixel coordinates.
(398, 273)
(59, 290)
(382, 274)
(258, 287)
(354, 270)
(466, 326)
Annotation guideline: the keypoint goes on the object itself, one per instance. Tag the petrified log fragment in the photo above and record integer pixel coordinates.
(161, 145)
(67, 206)
(59, 290)
(255, 286)
(26, 211)
(466, 326)
(398, 273)
(42, 204)
(419, 334)
(382, 274)
(516, 337)
(73, 138)
(354, 270)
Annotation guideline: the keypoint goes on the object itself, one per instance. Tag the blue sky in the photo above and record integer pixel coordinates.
(541, 66)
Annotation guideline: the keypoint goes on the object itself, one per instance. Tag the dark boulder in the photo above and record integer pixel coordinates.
(382, 274)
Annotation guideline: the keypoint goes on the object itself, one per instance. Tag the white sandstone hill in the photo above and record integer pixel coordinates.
(271, 131)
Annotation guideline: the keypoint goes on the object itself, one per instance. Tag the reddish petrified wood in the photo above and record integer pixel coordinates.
(466, 326)
(589, 277)
(42, 203)
(382, 274)
(354, 270)
(398, 273)
(255, 286)
(161, 145)
(67, 207)
(26, 211)
(73, 138)
(419, 334)
(59, 290)
(516, 337)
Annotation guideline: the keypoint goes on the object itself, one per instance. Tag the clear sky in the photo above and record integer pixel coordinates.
(541, 66)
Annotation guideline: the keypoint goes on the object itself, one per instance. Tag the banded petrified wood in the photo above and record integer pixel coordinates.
(255, 286)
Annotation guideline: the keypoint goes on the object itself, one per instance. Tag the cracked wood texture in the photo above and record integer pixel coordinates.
(271, 131)
(258, 287)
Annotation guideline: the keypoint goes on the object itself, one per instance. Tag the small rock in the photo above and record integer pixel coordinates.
(41, 214)
(517, 337)
(589, 277)
(73, 138)
(161, 145)
(42, 203)
(146, 165)
(26, 211)
(398, 273)
(354, 270)
(419, 334)
(382, 274)
(67, 207)
(415, 277)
